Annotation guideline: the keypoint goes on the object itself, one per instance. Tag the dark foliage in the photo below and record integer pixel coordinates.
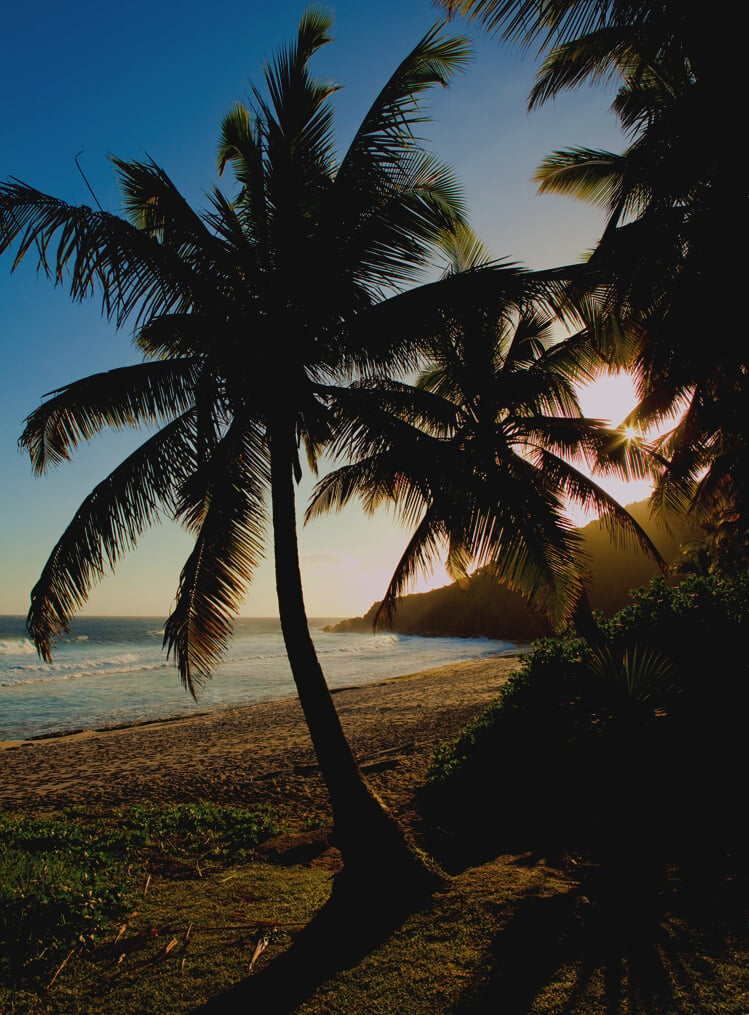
(634, 744)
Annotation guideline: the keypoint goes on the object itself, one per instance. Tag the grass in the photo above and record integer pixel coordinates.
(518, 934)
(66, 880)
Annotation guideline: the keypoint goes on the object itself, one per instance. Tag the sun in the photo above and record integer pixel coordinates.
(610, 397)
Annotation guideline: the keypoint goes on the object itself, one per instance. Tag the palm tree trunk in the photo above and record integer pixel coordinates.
(372, 844)
(584, 622)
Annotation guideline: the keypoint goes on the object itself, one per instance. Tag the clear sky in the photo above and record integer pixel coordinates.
(157, 78)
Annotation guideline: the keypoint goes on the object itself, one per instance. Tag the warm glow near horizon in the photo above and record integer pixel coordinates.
(611, 398)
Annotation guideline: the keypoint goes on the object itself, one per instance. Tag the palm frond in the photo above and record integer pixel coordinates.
(549, 24)
(241, 143)
(410, 320)
(378, 145)
(584, 173)
(419, 556)
(106, 525)
(175, 336)
(297, 122)
(126, 397)
(586, 494)
(229, 516)
(94, 250)
(598, 57)
(463, 250)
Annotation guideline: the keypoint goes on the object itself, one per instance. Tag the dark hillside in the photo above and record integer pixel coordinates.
(484, 609)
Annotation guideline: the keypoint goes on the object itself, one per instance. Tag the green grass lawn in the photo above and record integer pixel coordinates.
(517, 934)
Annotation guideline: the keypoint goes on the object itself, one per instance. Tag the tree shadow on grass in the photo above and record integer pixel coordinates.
(350, 925)
(624, 941)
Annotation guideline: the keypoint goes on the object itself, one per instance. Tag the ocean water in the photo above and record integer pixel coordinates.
(112, 670)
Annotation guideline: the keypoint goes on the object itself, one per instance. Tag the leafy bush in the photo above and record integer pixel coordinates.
(639, 735)
(210, 829)
(49, 903)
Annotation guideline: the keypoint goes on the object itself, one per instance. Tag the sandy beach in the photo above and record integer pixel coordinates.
(255, 753)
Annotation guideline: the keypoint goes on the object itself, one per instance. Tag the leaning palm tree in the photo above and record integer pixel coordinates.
(245, 313)
(478, 458)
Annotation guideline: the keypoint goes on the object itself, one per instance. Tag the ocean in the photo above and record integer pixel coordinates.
(112, 671)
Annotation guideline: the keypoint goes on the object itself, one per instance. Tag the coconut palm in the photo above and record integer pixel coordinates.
(477, 457)
(669, 197)
(656, 270)
(244, 312)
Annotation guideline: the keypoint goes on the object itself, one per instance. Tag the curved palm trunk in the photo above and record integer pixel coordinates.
(372, 844)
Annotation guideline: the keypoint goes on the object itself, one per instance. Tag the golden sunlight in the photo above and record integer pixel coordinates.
(611, 398)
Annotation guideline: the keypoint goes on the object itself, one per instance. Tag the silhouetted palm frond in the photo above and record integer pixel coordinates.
(107, 524)
(224, 505)
(128, 397)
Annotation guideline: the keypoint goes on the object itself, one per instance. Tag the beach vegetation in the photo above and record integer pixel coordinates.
(635, 738)
(50, 904)
(65, 878)
(186, 940)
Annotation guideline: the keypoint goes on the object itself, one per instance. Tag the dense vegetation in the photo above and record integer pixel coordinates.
(633, 740)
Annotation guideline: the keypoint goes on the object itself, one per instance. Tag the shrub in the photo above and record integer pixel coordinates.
(49, 903)
(206, 828)
(638, 736)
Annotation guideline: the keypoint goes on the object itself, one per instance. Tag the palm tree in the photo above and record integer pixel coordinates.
(655, 267)
(477, 457)
(669, 196)
(245, 313)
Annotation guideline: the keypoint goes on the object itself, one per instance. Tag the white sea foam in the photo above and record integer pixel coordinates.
(12, 678)
(112, 670)
(17, 647)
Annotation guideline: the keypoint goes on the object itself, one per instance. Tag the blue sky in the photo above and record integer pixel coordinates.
(157, 78)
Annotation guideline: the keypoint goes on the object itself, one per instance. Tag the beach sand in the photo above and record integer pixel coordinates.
(255, 753)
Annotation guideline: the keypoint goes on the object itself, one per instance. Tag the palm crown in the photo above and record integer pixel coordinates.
(476, 458)
(668, 196)
(660, 267)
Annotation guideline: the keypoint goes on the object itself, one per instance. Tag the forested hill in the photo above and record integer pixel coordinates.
(484, 609)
